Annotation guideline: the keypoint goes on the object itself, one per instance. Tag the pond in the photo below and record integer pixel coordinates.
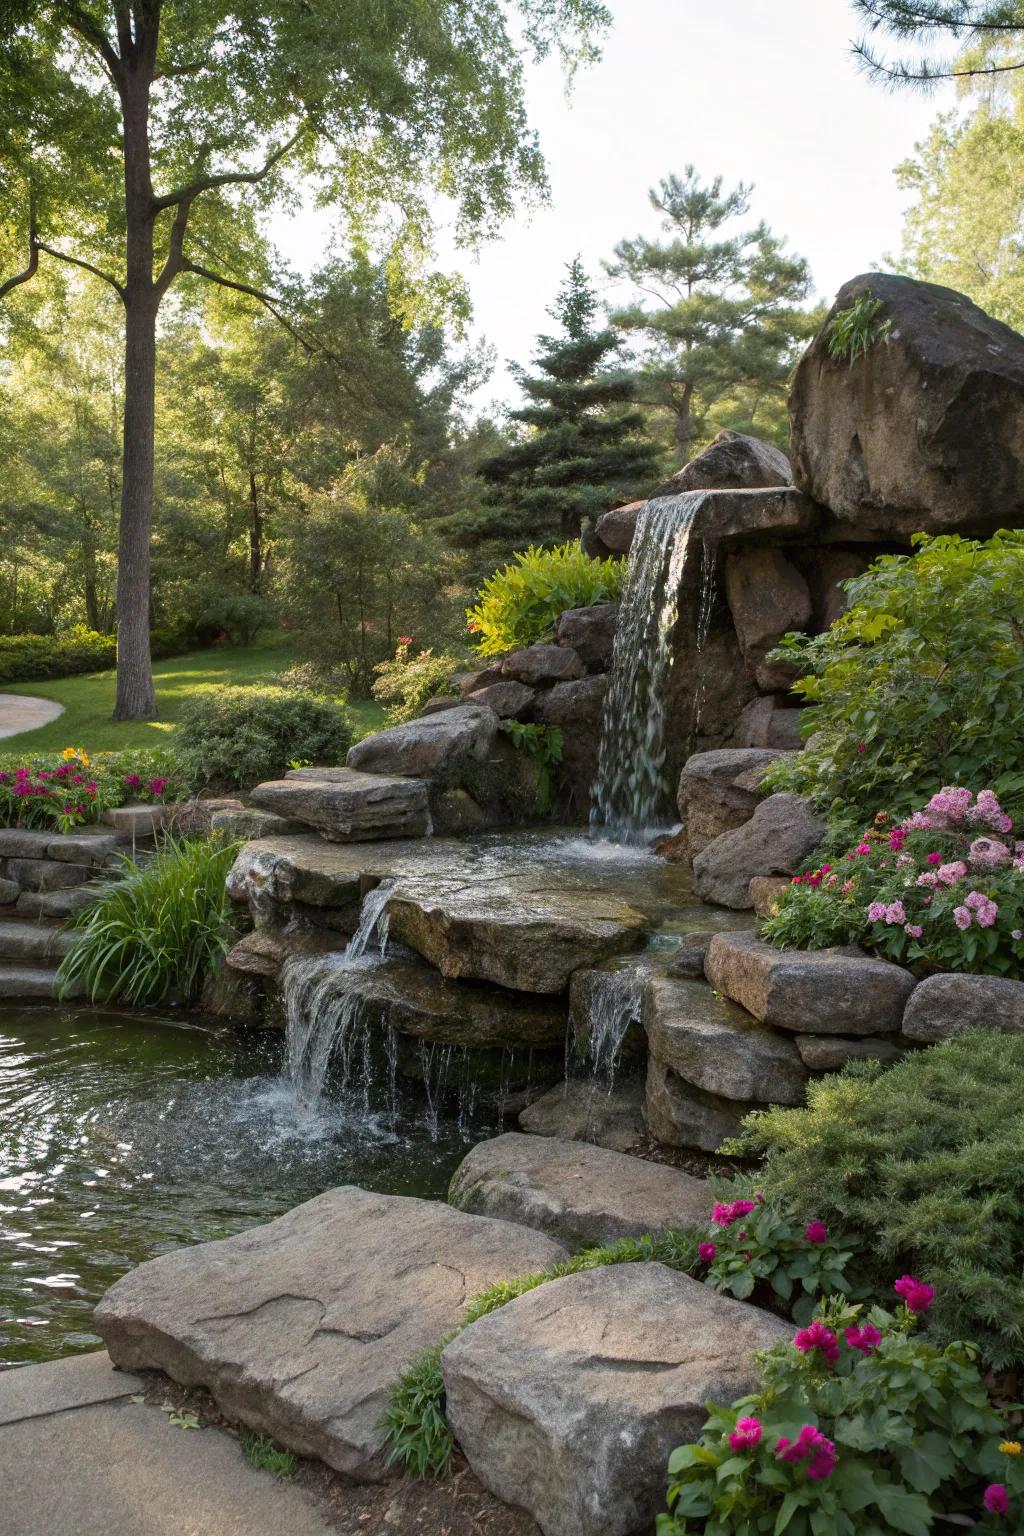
(123, 1136)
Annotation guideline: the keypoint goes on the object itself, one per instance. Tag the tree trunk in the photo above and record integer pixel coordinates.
(136, 697)
(684, 432)
(255, 536)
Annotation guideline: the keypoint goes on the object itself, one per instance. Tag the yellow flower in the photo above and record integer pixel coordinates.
(68, 754)
(1011, 1447)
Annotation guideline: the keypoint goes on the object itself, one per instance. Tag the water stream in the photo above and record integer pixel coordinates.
(631, 793)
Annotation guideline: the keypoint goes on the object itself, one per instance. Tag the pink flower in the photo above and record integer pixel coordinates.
(811, 1446)
(988, 852)
(848, 886)
(894, 913)
(952, 802)
(876, 911)
(722, 1215)
(814, 880)
(987, 914)
(132, 780)
(818, 1337)
(927, 879)
(949, 874)
(995, 1499)
(816, 1232)
(866, 1339)
(914, 930)
(863, 848)
(916, 1293)
(707, 1252)
(746, 1435)
(962, 917)
(157, 786)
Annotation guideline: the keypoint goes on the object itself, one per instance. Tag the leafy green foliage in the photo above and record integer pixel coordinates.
(853, 331)
(156, 928)
(24, 658)
(233, 738)
(877, 1442)
(521, 604)
(542, 744)
(411, 679)
(71, 789)
(759, 1246)
(266, 1455)
(416, 1433)
(926, 1159)
(919, 684)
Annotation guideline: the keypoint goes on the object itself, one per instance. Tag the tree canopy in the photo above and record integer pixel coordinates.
(974, 27)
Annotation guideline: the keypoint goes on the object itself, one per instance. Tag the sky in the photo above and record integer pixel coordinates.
(751, 90)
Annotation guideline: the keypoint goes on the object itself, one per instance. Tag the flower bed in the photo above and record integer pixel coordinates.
(941, 890)
(70, 789)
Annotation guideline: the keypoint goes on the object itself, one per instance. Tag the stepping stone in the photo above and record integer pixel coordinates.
(433, 747)
(581, 1195)
(299, 1327)
(47, 874)
(715, 1045)
(569, 1400)
(9, 892)
(91, 846)
(251, 823)
(816, 992)
(16, 843)
(586, 1109)
(60, 1385)
(345, 806)
(34, 942)
(56, 904)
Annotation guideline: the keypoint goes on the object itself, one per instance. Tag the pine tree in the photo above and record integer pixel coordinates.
(584, 448)
(723, 331)
(988, 36)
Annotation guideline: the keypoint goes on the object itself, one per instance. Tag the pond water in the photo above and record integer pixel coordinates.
(122, 1137)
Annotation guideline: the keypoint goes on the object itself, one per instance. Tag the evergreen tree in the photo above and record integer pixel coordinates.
(727, 317)
(584, 448)
(988, 34)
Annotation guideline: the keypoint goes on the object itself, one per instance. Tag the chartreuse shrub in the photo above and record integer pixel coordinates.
(521, 604)
(233, 738)
(64, 790)
(411, 679)
(919, 684)
(925, 1160)
(156, 928)
(939, 889)
(859, 1429)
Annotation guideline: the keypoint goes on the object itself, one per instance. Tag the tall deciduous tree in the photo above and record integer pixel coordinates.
(988, 39)
(584, 447)
(719, 312)
(138, 138)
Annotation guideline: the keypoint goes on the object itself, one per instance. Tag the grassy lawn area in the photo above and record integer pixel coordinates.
(89, 700)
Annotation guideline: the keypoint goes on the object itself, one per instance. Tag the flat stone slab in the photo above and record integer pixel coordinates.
(716, 1045)
(830, 1053)
(299, 1327)
(28, 942)
(264, 951)
(581, 1195)
(30, 982)
(56, 904)
(569, 1400)
(432, 747)
(944, 1006)
(349, 807)
(92, 845)
(817, 992)
(33, 1391)
(587, 1109)
(46, 874)
(139, 820)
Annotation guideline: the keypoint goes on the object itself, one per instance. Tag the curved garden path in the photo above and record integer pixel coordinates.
(19, 713)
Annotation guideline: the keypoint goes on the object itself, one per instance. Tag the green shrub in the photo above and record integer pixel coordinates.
(926, 1160)
(233, 738)
(860, 1429)
(857, 328)
(522, 603)
(156, 928)
(411, 679)
(33, 658)
(918, 685)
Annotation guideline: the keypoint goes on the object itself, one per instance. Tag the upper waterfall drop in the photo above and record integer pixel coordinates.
(631, 794)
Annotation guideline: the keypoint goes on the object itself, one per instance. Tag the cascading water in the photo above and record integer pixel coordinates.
(616, 998)
(324, 1008)
(630, 795)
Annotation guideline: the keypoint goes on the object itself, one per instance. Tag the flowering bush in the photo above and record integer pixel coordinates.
(752, 1242)
(859, 1429)
(411, 679)
(72, 789)
(942, 889)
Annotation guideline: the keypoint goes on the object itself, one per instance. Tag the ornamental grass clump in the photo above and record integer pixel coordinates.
(860, 1429)
(942, 889)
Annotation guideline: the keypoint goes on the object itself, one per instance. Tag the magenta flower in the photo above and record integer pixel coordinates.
(132, 780)
(810, 1446)
(816, 1233)
(707, 1252)
(863, 848)
(866, 1339)
(818, 1337)
(933, 858)
(917, 1294)
(746, 1435)
(995, 1499)
(157, 786)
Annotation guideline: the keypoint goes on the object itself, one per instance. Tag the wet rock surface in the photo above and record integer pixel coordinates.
(587, 1109)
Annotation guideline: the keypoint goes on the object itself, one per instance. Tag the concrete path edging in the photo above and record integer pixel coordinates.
(19, 713)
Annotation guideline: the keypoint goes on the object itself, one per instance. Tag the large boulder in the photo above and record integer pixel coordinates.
(433, 747)
(615, 529)
(776, 840)
(576, 709)
(830, 1053)
(765, 722)
(587, 1109)
(713, 1044)
(732, 461)
(944, 1006)
(767, 597)
(682, 1115)
(925, 431)
(509, 700)
(569, 1400)
(579, 1194)
(298, 1328)
(590, 632)
(815, 992)
(345, 806)
(541, 664)
(719, 791)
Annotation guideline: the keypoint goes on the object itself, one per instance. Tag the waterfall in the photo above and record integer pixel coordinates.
(324, 1008)
(630, 794)
(615, 1002)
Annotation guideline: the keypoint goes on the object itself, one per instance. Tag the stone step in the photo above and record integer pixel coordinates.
(579, 1194)
(299, 1327)
(55, 904)
(346, 806)
(569, 1400)
(31, 942)
(27, 982)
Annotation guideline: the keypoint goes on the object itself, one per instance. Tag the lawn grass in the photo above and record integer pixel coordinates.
(89, 700)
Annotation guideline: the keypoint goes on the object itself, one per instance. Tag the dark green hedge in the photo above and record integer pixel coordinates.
(28, 658)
